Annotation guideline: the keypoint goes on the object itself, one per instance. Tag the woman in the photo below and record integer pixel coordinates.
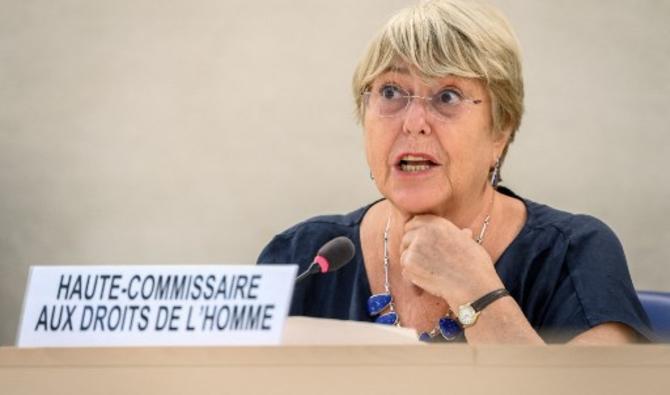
(447, 251)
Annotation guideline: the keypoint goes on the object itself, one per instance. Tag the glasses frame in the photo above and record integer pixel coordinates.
(429, 99)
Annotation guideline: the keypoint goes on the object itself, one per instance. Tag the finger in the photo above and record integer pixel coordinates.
(424, 220)
(407, 257)
(411, 225)
(408, 275)
(467, 232)
(419, 220)
(403, 258)
(407, 239)
(404, 274)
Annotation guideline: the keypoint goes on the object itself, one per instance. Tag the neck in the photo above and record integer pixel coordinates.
(468, 213)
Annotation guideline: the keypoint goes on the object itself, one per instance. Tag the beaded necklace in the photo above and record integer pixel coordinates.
(447, 326)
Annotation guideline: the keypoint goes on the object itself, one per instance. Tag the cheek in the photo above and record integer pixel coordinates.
(369, 147)
(467, 159)
(377, 146)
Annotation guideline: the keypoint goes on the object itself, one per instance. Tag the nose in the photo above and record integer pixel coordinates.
(416, 117)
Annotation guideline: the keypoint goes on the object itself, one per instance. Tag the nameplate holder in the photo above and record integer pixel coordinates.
(175, 305)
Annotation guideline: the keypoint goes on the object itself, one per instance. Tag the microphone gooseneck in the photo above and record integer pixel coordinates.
(312, 269)
(330, 257)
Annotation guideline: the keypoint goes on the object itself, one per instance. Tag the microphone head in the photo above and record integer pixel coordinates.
(335, 254)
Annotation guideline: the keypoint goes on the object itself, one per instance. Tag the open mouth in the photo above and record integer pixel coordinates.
(415, 163)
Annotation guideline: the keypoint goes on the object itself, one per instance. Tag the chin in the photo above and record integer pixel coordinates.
(418, 202)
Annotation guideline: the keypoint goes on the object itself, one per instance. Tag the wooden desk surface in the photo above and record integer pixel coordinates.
(450, 369)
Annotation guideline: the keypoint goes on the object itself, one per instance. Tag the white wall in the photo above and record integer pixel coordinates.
(192, 131)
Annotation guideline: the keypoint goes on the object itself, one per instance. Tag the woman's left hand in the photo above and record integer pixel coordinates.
(445, 261)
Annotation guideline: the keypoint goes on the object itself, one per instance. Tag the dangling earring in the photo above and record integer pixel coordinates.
(495, 174)
(371, 176)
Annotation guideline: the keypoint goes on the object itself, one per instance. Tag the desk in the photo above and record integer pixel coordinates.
(403, 369)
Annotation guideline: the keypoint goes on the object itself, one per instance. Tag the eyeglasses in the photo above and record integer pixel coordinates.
(391, 101)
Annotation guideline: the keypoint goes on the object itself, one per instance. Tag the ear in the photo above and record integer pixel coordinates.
(500, 142)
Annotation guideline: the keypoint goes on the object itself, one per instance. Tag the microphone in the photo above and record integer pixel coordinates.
(330, 257)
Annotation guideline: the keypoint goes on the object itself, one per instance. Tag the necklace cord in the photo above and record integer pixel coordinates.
(387, 285)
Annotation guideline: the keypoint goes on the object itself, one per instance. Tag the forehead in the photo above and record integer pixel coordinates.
(407, 75)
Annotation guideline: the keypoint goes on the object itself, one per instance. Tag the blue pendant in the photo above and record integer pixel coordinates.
(388, 318)
(425, 337)
(449, 328)
(378, 302)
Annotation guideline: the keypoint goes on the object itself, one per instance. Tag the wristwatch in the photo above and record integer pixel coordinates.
(468, 313)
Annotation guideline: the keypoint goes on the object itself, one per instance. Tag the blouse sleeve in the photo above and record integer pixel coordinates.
(597, 287)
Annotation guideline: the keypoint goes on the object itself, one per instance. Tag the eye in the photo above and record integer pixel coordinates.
(448, 96)
(390, 92)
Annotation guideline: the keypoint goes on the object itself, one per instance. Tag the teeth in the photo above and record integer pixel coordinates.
(413, 168)
(414, 163)
(413, 158)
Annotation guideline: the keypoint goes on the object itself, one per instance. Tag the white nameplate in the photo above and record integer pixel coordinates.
(204, 305)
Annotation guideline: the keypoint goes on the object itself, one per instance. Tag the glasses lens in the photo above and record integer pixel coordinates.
(388, 100)
(447, 103)
(391, 101)
(391, 106)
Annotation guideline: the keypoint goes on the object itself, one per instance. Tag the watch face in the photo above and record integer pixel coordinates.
(467, 315)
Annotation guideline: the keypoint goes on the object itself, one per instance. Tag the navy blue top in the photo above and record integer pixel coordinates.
(567, 272)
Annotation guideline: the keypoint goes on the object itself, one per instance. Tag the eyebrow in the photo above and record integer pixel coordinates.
(405, 71)
(396, 69)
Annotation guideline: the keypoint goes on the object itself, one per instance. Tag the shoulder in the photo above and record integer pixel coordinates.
(325, 223)
(586, 241)
(557, 241)
(583, 241)
(571, 229)
(570, 273)
(299, 243)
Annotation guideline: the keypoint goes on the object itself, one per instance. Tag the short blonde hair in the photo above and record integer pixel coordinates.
(457, 37)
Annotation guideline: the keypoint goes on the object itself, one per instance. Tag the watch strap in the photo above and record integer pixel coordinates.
(479, 304)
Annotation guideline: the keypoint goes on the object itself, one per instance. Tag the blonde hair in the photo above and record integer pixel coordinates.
(457, 37)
